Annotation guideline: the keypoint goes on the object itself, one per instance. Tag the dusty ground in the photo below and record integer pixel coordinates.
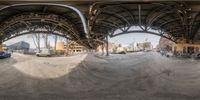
(139, 76)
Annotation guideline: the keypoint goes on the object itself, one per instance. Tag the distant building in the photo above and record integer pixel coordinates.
(132, 47)
(20, 46)
(144, 46)
(69, 48)
(75, 48)
(182, 48)
(60, 46)
(139, 46)
(112, 47)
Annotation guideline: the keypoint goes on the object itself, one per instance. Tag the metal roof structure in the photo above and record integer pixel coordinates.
(179, 20)
(89, 22)
(63, 20)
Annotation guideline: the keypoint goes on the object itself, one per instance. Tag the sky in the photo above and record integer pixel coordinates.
(28, 38)
(125, 39)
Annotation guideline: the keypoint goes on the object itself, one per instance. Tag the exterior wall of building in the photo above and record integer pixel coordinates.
(75, 48)
(112, 47)
(20, 46)
(60, 46)
(144, 46)
(184, 48)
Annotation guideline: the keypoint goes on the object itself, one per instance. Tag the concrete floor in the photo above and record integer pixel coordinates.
(138, 76)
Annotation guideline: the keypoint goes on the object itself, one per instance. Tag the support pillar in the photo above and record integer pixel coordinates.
(107, 43)
(102, 49)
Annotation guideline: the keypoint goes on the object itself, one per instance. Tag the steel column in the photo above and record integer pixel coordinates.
(107, 43)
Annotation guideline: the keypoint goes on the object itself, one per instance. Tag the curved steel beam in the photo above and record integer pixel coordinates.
(129, 12)
(120, 6)
(65, 25)
(31, 32)
(112, 14)
(116, 15)
(73, 34)
(169, 21)
(156, 17)
(29, 20)
(152, 12)
(113, 24)
(143, 32)
(82, 17)
(173, 28)
(195, 25)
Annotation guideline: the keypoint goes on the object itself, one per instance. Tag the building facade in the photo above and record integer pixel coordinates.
(20, 46)
(144, 46)
(74, 48)
(185, 48)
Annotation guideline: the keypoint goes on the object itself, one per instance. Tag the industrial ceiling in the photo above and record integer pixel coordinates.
(89, 22)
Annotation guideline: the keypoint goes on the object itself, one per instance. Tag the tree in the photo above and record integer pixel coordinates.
(36, 40)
